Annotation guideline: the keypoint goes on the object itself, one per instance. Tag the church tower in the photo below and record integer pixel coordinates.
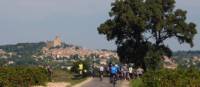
(57, 42)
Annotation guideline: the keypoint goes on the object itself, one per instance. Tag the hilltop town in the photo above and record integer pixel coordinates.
(58, 49)
(50, 50)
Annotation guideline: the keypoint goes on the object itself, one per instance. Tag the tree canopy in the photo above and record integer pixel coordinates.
(138, 26)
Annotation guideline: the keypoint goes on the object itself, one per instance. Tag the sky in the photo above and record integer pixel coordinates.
(75, 21)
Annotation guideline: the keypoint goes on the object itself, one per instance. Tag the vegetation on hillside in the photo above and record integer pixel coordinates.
(22, 53)
(185, 54)
(24, 49)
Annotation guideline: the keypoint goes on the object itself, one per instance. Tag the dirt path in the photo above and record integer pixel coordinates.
(90, 82)
(125, 84)
(84, 82)
(56, 84)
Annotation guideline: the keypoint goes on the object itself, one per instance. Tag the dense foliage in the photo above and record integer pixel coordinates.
(22, 76)
(172, 78)
(136, 25)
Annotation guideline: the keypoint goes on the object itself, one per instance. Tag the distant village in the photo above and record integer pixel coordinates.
(54, 48)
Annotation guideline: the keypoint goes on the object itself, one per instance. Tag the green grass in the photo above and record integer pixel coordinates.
(61, 76)
(136, 82)
(65, 76)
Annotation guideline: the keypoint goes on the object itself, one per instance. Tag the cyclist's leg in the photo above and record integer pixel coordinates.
(114, 80)
(110, 77)
(101, 75)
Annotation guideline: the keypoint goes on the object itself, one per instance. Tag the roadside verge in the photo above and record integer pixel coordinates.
(82, 83)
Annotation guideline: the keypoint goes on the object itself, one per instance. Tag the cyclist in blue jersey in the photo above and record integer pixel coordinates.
(118, 71)
(114, 70)
(113, 74)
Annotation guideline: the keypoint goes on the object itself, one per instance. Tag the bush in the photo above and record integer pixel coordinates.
(22, 76)
(172, 78)
(136, 82)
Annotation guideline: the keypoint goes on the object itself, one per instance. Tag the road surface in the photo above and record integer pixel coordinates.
(95, 82)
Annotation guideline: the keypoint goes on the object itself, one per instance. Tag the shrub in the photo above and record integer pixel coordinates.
(172, 78)
(136, 82)
(22, 76)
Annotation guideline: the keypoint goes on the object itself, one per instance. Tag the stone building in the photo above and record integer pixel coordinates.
(2, 52)
(55, 43)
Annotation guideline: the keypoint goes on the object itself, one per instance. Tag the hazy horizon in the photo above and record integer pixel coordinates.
(75, 21)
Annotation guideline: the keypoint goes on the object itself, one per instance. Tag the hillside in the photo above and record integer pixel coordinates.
(58, 52)
(187, 58)
(186, 54)
(46, 52)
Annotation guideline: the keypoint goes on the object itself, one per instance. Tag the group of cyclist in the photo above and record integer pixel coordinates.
(120, 72)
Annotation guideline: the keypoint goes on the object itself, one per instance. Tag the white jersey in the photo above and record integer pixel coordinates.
(130, 69)
(140, 71)
(101, 68)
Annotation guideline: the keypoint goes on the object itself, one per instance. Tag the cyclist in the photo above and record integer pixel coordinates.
(113, 77)
(118, 71)
(101, 71)
(139, 71)
(125, 71)
(50, 72)
(113, 72)
(130, 71)
(80, 68)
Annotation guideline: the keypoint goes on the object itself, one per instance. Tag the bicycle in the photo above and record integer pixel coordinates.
(114, 80)
(101, 76)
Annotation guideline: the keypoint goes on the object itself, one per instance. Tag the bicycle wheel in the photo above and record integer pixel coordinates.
(114, 81)
(101, 77)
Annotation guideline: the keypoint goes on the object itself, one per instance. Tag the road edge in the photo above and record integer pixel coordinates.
(84, 82)
(125, 83)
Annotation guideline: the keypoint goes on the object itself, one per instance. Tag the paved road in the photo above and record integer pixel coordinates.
(97, 83)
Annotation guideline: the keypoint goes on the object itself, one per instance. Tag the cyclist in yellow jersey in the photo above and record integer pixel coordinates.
(81, 68)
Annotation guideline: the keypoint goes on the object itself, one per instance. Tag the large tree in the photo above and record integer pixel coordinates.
(137, 26)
